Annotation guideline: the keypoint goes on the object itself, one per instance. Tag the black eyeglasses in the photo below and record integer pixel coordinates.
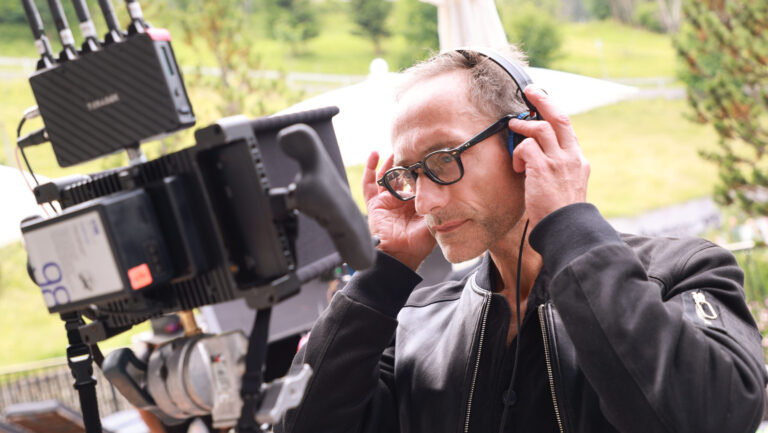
(441, 166)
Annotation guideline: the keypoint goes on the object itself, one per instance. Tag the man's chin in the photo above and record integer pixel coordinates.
(457, 252)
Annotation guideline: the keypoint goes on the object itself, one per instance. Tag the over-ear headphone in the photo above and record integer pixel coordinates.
(520, 77)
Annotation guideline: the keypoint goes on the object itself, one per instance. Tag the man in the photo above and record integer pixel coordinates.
(618, 333)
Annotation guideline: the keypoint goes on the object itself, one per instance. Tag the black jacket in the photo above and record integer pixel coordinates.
(640, 335)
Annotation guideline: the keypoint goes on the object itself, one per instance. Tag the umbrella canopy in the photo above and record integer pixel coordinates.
(462, 23)
(18, 203)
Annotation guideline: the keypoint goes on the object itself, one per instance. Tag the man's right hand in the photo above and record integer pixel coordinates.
(403, 233)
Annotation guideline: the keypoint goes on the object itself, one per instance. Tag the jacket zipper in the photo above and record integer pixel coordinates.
(477, 359)
(549, 367)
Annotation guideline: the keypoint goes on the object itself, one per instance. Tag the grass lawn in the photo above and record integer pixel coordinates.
(31, 333)
(644, 154)
(607, 49)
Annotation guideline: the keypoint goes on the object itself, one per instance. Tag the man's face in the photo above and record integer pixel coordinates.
(472, 215)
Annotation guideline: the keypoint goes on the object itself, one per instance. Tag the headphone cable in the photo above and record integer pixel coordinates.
(510, 397)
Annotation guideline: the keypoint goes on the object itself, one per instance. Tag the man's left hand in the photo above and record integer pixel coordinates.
(556, 172)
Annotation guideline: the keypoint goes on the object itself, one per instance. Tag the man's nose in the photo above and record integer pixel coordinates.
(430, 196)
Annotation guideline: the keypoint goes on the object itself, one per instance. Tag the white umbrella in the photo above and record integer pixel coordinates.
(18, 203)
(365, 115)
(462, 23)
(367, 108)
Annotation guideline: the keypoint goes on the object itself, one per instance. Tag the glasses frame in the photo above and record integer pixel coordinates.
(455, 152)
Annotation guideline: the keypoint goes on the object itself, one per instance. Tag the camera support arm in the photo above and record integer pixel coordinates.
(317, 194)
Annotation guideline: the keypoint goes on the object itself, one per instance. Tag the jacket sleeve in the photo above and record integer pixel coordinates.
(674, 352)
(351, 352)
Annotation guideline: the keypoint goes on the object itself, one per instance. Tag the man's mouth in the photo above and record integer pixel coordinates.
(448, 227)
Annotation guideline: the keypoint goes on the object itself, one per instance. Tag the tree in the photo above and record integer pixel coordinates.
(227, 73)
(622, 10)
(670, 11)
(537, 33)
(371, 19)
(724, 47)
(417, 22)
(292, 21)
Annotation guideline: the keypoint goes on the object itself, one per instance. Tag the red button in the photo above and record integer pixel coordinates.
(140, 276)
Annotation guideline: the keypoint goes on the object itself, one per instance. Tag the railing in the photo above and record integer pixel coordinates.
(52, 380)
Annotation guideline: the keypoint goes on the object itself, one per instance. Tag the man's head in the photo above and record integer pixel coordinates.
(444, 102)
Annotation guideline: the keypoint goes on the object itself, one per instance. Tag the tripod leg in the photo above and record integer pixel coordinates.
(81, 365)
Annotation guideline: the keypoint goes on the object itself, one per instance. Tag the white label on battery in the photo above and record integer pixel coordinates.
(88, 29)
(134, 10)
(72, 260)
(66, 37)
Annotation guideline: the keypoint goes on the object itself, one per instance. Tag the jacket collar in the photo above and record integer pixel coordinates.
(486, 274)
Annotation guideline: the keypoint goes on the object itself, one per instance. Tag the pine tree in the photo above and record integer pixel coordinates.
(724, 47)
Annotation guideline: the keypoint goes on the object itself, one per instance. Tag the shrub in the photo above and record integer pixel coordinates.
(538, 34)
(646, 15)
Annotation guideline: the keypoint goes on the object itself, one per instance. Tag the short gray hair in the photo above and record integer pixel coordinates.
(491, 90)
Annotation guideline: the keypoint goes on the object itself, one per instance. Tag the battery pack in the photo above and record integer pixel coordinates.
(99, 252)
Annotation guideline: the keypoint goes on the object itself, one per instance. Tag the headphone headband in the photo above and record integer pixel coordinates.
(511, 67)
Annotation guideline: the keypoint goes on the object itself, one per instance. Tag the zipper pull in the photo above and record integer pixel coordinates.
(704, 309)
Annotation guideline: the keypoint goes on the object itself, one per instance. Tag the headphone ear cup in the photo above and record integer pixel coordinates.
(514, 138)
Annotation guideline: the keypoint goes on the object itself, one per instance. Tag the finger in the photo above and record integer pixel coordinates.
(385, 166)
(370, 188)
(525, 154)
(539, 130)
(561, 123)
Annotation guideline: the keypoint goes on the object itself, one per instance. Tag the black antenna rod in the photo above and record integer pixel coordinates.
(68, 51)
(137, 17)
(115, 33)
(38, 31)
(87, 28)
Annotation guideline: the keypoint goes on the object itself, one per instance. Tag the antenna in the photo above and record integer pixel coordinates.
(88, 30)
(68, 51)
(38, 31)
(137, 17)
(115, 33)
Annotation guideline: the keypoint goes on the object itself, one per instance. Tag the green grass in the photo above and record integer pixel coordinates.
(626, 51)
(30, 332)
(16, 41)
(644, 154)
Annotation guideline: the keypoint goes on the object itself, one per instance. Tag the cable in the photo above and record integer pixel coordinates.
(21, 171)
(37, 137)
(509, 395)
(18, 136)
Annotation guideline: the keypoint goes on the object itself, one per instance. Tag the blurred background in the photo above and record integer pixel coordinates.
(676, 141)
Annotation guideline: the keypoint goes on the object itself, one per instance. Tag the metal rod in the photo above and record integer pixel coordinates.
(137, 17)
(42, 43)
(87, 28)
(65, 34)
(189, 323)
(115, 33)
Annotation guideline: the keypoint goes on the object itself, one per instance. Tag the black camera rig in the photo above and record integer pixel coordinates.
(210, 223)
